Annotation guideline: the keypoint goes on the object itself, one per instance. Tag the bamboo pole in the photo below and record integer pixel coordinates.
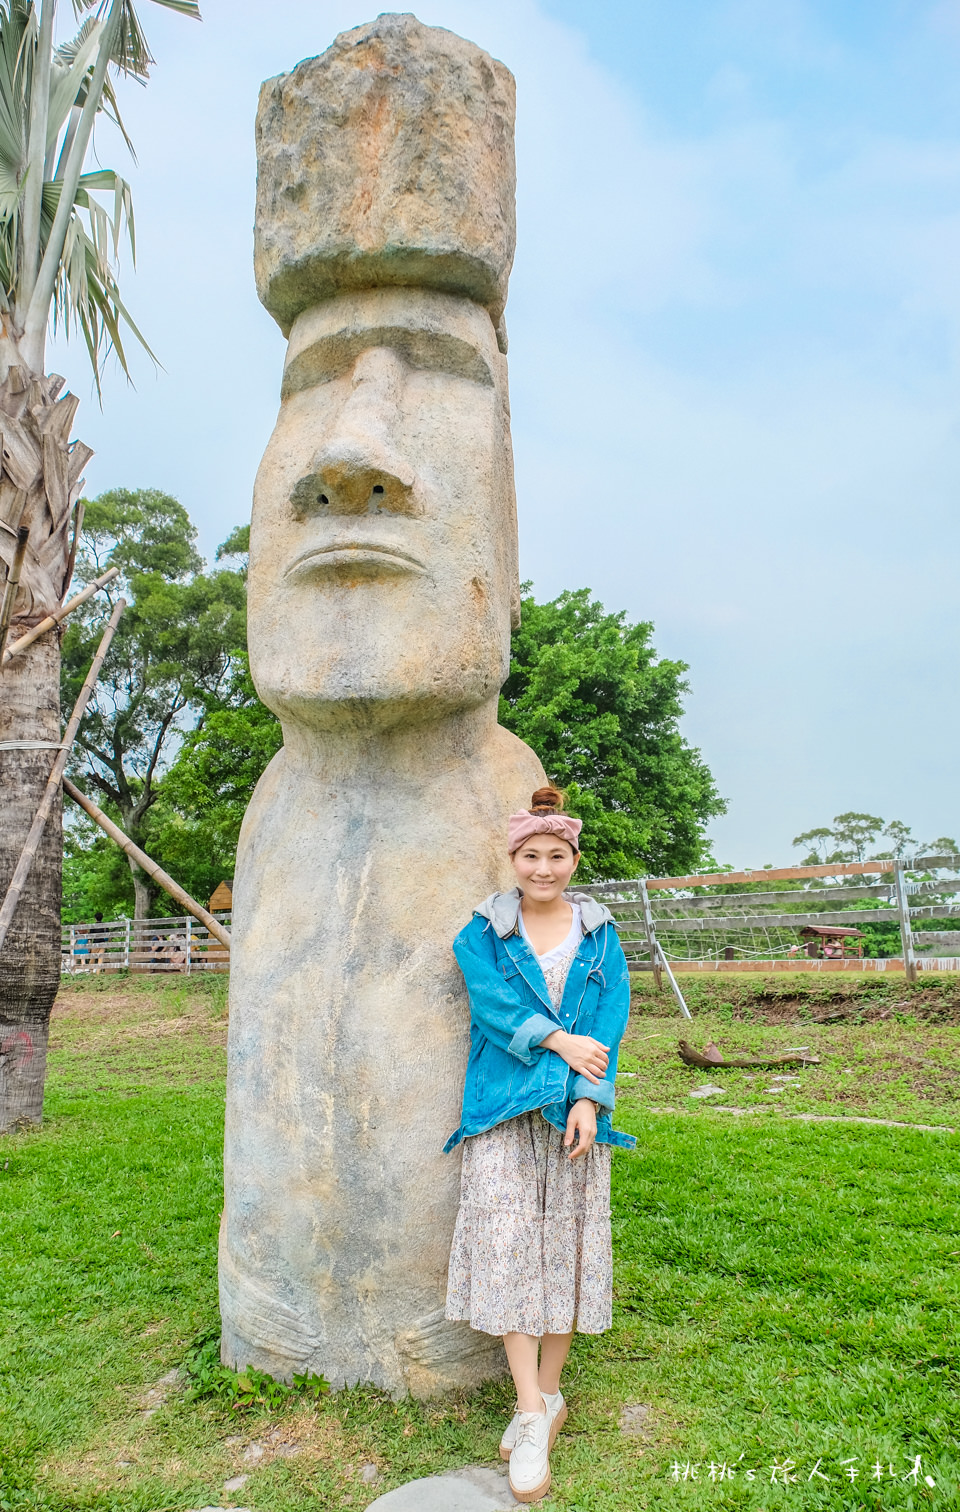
(58, 615)
(162, 878)
(28, 855)
(13, 579)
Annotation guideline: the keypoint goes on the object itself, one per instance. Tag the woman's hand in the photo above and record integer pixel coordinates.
(581, 1122)
(582, 1053)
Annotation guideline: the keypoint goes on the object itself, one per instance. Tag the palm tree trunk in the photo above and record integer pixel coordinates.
(39, 484)
(30, 958)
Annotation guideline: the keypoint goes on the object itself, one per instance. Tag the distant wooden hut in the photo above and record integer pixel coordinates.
(837, 944)
(222, 899)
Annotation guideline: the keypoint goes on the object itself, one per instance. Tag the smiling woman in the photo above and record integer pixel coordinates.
(531, 1258)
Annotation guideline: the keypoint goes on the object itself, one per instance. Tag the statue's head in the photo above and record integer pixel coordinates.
(383, 558)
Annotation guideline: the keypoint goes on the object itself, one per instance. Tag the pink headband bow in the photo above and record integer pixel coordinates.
(521, 826)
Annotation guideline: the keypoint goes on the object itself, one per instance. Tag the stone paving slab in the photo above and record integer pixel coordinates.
(476, 1488)
(845, 1118)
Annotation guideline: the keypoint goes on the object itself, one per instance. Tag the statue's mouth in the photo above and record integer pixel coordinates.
(365, 556)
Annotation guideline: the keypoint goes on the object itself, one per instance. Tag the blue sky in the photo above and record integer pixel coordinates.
(734, 343)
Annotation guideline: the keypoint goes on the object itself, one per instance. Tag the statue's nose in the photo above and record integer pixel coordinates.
(358, 469)
(354, 480)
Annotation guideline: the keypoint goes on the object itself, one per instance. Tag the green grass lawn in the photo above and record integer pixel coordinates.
(786, 1292)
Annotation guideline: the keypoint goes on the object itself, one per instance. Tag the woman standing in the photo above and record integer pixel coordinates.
(531, 1258)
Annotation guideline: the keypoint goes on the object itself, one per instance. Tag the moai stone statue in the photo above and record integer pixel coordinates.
(383, 578)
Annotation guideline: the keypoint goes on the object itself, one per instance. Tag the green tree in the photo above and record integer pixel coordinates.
(205, 794)
(866, 837)
(587, 691)
(96, 876)
(207, 789)
(59, 262)
(174, 653)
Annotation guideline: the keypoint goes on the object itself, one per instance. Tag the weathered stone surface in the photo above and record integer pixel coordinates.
(383, 576)
(476, 1489)
(388, 160)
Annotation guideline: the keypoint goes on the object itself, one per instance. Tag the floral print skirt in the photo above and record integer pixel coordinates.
(531, 1249)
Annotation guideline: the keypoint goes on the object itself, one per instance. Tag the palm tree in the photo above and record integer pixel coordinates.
(59, 247)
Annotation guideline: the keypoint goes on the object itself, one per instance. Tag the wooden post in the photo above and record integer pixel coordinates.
(23, 641)
(906, 930)
(126, 944)
(27, 856)
(651, 935)
(189, 927)
(162, 878)
(13, 579)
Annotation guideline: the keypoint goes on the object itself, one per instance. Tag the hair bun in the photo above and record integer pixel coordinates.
(546, 800)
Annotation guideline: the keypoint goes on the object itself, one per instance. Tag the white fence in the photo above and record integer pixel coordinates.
(701, 923)
(172, 944)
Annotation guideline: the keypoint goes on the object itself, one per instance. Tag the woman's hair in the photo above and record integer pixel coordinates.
(546, 800)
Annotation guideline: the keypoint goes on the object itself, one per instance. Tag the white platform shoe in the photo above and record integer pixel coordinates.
(556, 1411)
(533, 1436)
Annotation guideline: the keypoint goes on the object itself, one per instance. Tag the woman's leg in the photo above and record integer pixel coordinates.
(554, 1349)
(522, 1358)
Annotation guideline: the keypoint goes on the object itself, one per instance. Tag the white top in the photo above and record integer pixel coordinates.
(551, 957)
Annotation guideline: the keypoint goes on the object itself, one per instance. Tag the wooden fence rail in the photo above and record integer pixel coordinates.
(650, 912)
(177, 943)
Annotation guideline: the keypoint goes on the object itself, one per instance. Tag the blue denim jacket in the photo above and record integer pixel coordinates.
(508, 1071)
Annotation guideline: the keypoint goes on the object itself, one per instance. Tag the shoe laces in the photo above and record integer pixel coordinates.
(527, 1427)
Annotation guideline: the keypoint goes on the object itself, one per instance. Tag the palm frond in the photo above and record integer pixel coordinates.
(87, 296)
(107, 178)
(70, 276)
(185, 7)
(14, 92)
(69, 76)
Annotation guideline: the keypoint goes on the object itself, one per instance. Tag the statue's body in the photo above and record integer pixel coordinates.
(383, 572)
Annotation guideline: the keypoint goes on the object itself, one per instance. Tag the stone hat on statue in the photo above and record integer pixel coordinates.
(388, 160)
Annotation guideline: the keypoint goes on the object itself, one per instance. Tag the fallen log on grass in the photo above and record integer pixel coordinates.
(711, 1059)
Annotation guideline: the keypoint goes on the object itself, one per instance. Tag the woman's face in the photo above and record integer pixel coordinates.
(544, 865)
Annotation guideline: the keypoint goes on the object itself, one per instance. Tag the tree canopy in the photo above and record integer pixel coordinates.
(588, 692)
(177, 647)
(854, 836)
(178, 738)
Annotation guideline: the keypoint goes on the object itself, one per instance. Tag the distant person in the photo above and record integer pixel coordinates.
(81, 947)
(99, 935)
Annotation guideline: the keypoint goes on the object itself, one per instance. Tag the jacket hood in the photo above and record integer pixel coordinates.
(502, 908)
